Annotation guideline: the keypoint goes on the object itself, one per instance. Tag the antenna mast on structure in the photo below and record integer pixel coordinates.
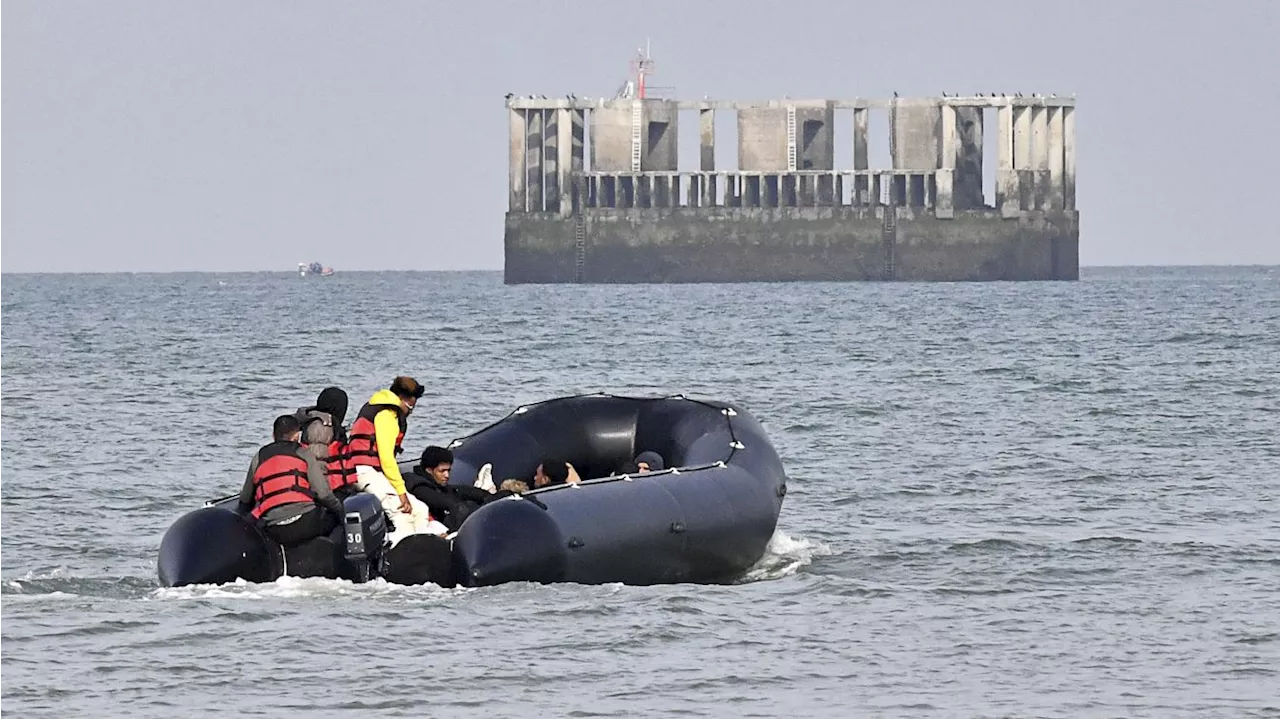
(637, 86)
(640, 67)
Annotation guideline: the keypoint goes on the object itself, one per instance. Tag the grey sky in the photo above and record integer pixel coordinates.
(253, 135)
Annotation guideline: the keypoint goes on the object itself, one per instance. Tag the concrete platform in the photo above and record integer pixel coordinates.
(681, 245)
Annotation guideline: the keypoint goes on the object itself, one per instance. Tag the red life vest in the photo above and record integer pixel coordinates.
(281, 478)
(338, 467)
(363, 445)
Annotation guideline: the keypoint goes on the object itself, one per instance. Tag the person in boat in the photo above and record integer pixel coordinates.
(325, 436)
(450, 503)
(286, 491)
(374, 441)
(646, 462)
(552, 471)
(513, 486)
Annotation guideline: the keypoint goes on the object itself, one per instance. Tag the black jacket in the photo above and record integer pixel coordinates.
(451, 503)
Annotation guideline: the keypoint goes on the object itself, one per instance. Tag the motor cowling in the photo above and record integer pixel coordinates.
(364, 536)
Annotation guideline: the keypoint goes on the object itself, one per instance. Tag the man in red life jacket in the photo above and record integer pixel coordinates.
(373, 443)
(326, 438)
(286, 490)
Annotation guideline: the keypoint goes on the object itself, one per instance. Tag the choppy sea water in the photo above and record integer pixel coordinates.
(1014, 499)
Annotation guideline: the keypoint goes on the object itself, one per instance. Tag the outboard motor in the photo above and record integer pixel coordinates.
(365, 533)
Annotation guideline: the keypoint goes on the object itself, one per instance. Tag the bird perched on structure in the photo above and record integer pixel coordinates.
(509, 95)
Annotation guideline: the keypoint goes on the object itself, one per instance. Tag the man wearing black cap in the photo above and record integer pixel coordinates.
(375, 440)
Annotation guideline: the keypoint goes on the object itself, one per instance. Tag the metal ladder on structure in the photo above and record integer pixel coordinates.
(791, 138)
(889, 235)
(637, 119)
(579, 234)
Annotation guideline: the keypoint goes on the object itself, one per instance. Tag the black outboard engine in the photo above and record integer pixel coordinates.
(365, 533)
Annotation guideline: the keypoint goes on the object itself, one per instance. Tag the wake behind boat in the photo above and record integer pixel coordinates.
(708, 518)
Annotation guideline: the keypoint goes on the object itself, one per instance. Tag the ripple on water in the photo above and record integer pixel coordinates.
(989, 482)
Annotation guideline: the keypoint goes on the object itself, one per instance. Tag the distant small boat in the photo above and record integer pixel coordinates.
(313, 269)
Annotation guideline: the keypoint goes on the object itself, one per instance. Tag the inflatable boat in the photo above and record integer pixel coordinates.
(707, 518)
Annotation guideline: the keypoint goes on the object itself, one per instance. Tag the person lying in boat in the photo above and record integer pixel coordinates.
(286, 491)
(324, 435)
(449, 503)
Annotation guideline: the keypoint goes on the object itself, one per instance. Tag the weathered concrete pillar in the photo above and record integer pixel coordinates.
(707, 133)
(577, 158)
(1004, 158)
(516, 124)
(551, 159)
(658, 132)
(1004, 137)
(1021, 186)
(1006, 177)
(1022, 138)
(861, 192)
(949, 138)
(707, 151)
(943, 201)
(564, 160)
(1069, 158)
(533, 162)
(751, 191)
(1055, 158)
(914, 129)
(1040, 154)
(967, 184)
(1039, 128)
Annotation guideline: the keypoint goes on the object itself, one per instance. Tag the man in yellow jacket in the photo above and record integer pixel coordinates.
(374, 441)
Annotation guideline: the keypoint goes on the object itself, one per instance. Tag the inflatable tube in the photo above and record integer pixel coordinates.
(707, 519)
(218, 544)
(242, 552)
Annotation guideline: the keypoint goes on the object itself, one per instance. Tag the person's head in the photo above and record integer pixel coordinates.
(286, 429)
(436, 464)
(519, 486)
(408, 390)
(333, 401)
(647, 462)
(551, 471)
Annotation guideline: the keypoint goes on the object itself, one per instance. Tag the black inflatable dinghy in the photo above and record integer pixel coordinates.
(707, 518)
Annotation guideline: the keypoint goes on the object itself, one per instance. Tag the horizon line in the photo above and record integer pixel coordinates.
(497, 270)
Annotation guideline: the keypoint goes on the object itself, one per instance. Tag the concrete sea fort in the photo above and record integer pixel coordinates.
(597, 196)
